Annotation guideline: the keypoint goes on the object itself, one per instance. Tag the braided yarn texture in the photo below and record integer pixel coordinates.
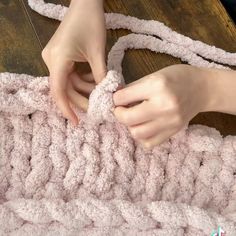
(56, 179)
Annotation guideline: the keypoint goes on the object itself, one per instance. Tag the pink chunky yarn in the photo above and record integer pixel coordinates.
(94, 179)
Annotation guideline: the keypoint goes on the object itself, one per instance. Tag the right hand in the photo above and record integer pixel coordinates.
(81, 37)
(158, 105)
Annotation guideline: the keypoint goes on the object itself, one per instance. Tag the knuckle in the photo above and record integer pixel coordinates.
(148, 144)
(125, 117)
(45, 54)
(150, 81)
(174, 103)
(162, 81)
(157, 82)
(178, 120)
(54, 51)
(121, 115)
(138, 133)
(50, 52)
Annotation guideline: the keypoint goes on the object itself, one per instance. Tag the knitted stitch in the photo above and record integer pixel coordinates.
(94, 179)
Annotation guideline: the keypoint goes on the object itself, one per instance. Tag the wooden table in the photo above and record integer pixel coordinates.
(24, 33)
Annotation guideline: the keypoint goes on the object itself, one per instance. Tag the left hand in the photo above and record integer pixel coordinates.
(81, 37)
(160, 104)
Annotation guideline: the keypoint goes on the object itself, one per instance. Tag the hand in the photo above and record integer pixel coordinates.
(167, 101)
(81, 37)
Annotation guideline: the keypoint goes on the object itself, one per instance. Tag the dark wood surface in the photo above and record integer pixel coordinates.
(24, 33)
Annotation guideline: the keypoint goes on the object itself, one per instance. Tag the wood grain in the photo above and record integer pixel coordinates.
(19, 46)
(25, 33)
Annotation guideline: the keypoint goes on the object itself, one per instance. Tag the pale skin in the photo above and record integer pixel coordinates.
(154, 107)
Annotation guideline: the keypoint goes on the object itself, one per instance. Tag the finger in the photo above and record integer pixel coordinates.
(87, 77)
(80, 85)
(158, 139)
(58, 85)
(135, 115)
(77, 99)
(130, 94)
(98, 67)
(62, 101)
(148, 129)
(162, 122)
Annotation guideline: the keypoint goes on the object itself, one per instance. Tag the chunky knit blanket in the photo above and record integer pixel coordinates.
(94, 179)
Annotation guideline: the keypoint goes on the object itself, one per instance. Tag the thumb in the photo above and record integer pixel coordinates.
(98, 67)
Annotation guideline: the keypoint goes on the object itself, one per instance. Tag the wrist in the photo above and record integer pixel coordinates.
(221, 90)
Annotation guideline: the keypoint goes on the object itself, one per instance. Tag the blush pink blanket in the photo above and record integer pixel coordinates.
(94, 179)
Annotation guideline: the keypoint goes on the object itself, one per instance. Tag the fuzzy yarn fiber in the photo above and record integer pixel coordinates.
(94, 179)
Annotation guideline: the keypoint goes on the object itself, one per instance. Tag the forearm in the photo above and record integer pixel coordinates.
(87, 12)
(222, 90)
